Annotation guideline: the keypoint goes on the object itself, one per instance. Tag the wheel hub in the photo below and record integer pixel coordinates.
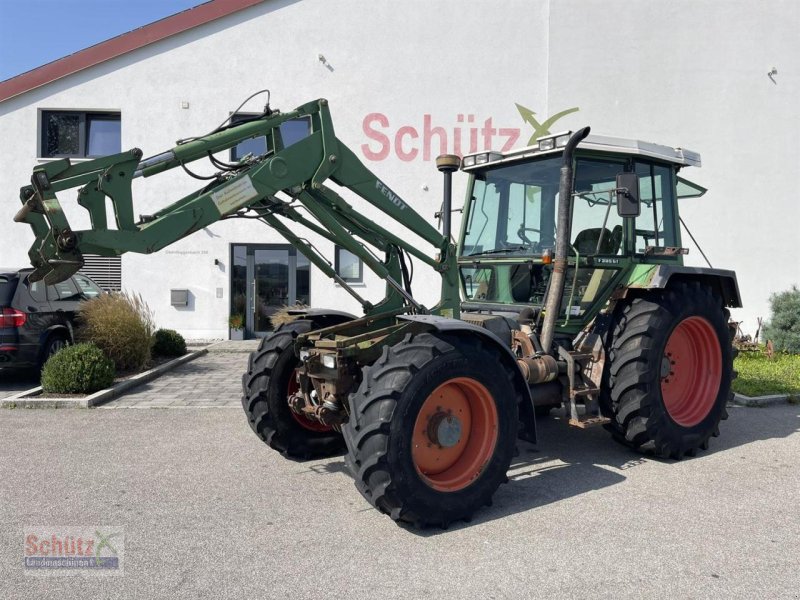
(666, 366)
(444, 430)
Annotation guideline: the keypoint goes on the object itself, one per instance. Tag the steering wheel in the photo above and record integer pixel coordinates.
(521, 235)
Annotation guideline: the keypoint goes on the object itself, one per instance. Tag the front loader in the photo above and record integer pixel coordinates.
(566, 289)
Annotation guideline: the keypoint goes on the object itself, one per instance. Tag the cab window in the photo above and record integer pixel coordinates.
(655, 227)
(596, 226)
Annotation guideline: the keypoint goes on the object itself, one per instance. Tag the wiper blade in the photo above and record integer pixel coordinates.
(499, 251)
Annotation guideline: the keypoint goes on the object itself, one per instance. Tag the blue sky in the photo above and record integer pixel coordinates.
(35, 32)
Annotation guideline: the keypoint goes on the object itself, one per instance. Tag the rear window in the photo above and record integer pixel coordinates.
(8, 285)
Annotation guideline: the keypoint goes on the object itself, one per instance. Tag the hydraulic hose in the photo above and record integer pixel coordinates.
(558, 279)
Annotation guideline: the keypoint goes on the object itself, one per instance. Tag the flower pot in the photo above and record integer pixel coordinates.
(237, 334)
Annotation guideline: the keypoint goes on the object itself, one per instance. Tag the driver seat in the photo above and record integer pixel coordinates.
(586, 241)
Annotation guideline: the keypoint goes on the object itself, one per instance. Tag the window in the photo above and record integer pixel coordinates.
(37, 290)
(512, 209)
(291, 132)
(596, 226)
(348, 266)
(80, 134)
(87, 287)
(656, 225)
(63, 291)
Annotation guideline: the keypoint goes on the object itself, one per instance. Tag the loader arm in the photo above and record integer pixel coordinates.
(248, 188)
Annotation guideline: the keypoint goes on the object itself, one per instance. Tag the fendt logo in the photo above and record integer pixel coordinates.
(468, 135)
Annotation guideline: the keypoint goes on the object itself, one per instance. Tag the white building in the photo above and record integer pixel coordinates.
(408, 80)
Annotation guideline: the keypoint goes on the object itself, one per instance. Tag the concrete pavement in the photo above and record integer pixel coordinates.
(211, 512)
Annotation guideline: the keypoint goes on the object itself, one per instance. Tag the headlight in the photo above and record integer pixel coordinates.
(547, 144)
(562, 140)
(329, 361)
(481, 159)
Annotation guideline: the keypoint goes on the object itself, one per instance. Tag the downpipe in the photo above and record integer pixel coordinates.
(552, 305)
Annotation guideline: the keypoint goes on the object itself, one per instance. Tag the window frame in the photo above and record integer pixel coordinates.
(84, 118)
(625, 167)
(238, 117)
(671, 227)
(95, 289)
(337, 265)
(52, 290)
(235, 119)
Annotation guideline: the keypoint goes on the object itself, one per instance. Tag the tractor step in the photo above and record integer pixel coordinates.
(589, 421)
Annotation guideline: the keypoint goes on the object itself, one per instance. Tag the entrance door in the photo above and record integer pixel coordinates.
(266, 278)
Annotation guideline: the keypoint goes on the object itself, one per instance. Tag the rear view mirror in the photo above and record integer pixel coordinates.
(628, 195)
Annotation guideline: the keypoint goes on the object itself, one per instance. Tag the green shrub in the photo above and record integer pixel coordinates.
(783, 328)
(121, 325)
(79, 369)
(169, 342)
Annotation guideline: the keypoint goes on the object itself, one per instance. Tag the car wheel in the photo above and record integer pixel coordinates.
(55, 342)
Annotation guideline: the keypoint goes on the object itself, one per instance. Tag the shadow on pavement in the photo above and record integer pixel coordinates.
(12, 382)
(569, 462)
(751, 424)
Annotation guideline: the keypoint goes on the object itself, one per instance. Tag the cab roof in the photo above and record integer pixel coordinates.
(678, 156)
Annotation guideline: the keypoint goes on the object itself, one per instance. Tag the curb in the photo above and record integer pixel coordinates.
(28, 398)
(759, 401)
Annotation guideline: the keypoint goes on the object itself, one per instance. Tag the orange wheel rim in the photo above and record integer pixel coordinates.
(455, 434)
(691, 371)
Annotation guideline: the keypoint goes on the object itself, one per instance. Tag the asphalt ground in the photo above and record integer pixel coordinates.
(210, 512)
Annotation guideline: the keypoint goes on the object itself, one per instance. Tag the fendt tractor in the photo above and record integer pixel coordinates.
(566, 289)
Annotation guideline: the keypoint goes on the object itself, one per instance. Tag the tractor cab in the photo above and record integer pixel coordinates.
(623, 212)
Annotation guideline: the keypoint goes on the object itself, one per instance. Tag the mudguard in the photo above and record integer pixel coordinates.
(457, 327)
(658, 277)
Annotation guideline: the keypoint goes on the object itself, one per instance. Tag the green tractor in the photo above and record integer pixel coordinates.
(566, 290)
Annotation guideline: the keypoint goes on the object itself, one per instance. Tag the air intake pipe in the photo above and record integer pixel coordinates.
(552, 305)
(447, 164)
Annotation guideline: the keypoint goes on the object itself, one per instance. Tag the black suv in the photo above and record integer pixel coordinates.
(36, 321)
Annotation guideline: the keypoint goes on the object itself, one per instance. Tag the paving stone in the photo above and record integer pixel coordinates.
(210, 381)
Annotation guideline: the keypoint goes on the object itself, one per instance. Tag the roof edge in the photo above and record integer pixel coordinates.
(120, 45)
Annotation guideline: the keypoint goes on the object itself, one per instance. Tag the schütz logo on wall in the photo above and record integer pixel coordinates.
(469, 134)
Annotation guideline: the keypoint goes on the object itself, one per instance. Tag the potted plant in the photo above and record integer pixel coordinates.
(236, 324)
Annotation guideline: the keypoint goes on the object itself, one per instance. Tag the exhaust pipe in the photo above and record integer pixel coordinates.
(552, 305)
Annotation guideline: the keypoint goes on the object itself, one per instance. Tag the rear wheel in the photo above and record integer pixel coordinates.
(55, 343)
(432, 429)
(267, 385)
(669, 371)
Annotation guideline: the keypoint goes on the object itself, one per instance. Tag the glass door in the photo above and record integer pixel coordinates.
(266, 278)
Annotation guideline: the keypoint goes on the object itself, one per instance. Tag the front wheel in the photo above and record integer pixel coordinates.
(267, 385)
(432, 429)
(669, 371)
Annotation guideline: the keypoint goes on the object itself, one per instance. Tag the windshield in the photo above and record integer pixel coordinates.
(513, 209)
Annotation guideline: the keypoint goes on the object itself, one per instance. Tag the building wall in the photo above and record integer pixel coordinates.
(408, 80)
